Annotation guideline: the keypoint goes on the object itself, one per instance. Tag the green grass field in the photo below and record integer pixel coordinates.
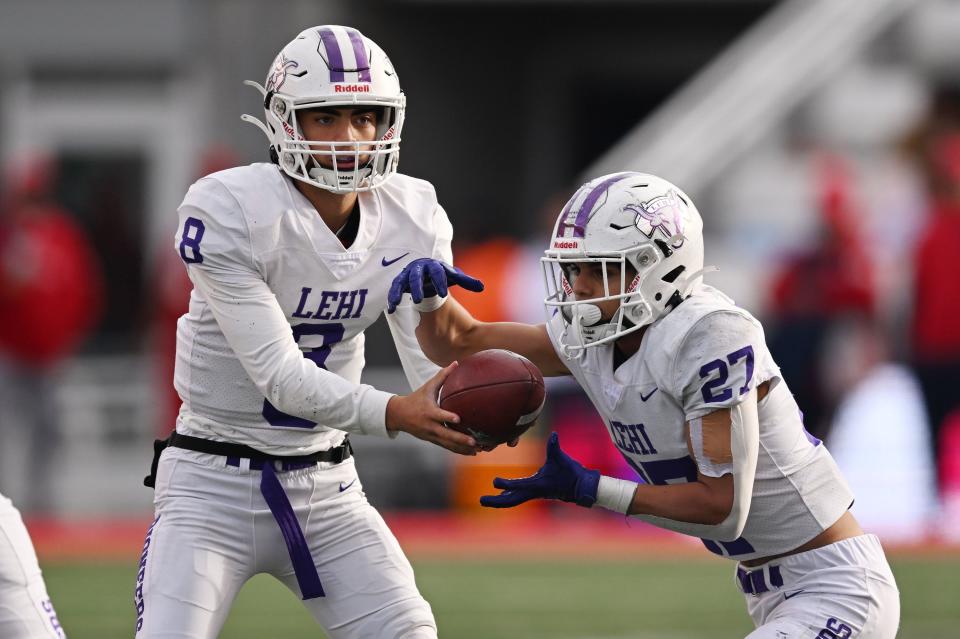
(578, 598)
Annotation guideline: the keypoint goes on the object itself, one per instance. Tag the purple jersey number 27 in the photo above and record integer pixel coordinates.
(723, 372)
(739, 546)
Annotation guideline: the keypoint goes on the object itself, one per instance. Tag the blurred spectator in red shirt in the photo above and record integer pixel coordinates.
(936, 319)
(815, 288)
(51, 297)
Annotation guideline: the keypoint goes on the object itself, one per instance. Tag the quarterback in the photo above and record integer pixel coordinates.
(694, 402)
(290, 262)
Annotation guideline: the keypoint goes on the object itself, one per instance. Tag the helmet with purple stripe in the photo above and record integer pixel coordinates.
(332, 66)
(645, 226)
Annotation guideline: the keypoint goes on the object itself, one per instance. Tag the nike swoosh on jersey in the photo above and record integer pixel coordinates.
(387, 262)
(343, 488)
(792, 594)
(644, 398)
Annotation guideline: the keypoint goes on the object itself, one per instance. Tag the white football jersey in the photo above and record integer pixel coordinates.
(703, 356)
(270, 353)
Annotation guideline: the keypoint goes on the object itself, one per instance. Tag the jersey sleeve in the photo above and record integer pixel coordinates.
(214, 243)
(403, 323)
(442, 243)
(719, 361)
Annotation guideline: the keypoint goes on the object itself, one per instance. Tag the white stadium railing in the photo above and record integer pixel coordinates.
(749, 89)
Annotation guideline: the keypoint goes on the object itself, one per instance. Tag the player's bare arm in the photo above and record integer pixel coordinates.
(447, 332)
(450, 333)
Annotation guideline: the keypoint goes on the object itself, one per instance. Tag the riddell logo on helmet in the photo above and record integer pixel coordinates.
(564, 244)
(351, 88)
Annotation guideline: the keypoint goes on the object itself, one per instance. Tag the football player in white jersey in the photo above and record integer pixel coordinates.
(695, 404)
(25, 608)
(290, 262)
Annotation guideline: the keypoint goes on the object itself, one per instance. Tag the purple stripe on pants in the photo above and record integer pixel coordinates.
(776, 578)
(360, 53)
(752, 582)
(279, 505)
(757, 581)
(334, 56)
(744, 578)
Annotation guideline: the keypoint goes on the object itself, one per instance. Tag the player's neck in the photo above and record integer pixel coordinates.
(630, 343)
(334, 208)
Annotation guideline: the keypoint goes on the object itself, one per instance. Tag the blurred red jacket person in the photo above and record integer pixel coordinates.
(835, 276)
(936, 327)
(51, 286)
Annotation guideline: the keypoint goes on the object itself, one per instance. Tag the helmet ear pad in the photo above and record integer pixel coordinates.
(656, 285)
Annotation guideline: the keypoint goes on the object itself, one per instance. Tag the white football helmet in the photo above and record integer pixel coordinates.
(632, 220)
(332, 66)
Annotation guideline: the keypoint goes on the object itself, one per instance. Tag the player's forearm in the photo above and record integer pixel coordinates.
(444, 334)
(710, 509)
(692, 502)
(451, 333)
(296, 386)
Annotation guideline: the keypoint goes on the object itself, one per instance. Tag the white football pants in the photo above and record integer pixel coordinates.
(845, 590)
(213, 531)
(25, 608)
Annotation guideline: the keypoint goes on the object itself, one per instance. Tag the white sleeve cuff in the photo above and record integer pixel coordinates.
(373, 413)
(430, 304)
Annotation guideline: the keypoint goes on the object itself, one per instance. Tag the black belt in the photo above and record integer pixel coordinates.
(335, 455)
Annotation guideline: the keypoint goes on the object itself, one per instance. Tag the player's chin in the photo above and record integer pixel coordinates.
(344, 164)
(608, 312)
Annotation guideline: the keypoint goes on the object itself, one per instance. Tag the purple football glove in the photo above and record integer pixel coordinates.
(561, 477)
(427, 277)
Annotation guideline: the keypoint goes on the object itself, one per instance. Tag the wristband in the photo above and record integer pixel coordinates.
(615, 494)
(430, 304)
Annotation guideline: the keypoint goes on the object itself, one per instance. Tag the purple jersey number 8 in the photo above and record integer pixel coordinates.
(191, 242)
(718, 365)
(332, 333)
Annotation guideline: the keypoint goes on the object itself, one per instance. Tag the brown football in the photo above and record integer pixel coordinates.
(497, 394)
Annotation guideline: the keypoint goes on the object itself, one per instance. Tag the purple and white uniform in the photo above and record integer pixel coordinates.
(705, 355)
(26, 611)
(269, 356)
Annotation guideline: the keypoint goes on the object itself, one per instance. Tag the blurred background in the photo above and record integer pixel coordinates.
(820, 140)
